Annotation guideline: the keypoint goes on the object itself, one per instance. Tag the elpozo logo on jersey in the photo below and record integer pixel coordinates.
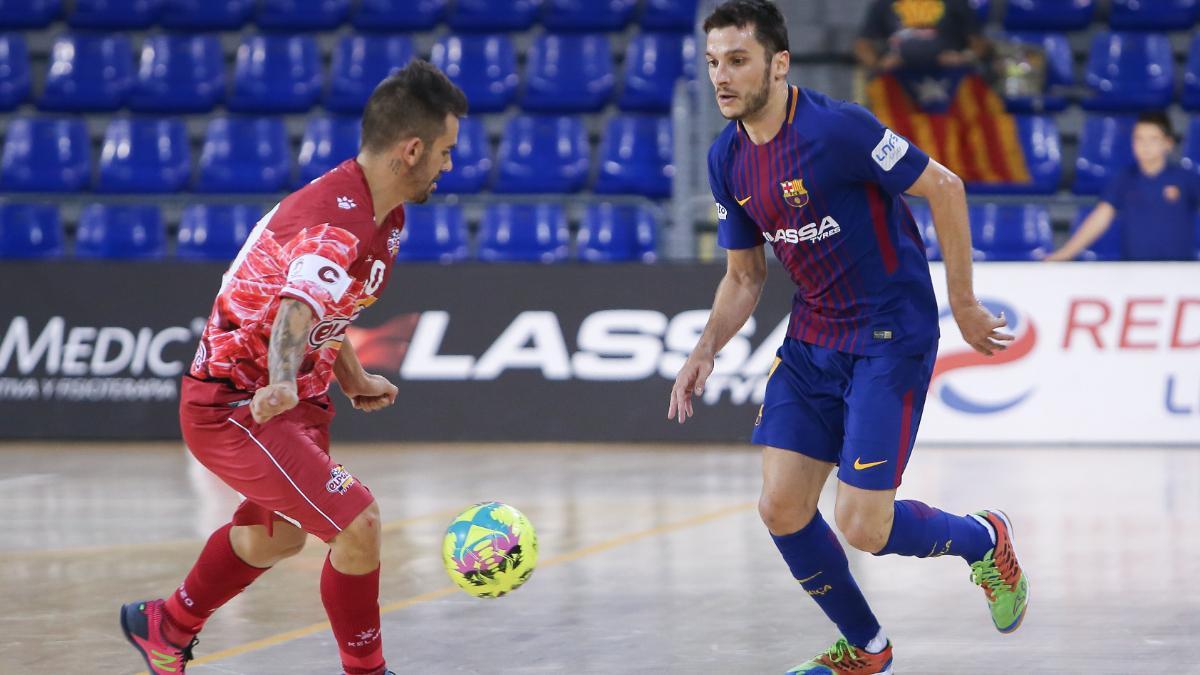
(950, 382)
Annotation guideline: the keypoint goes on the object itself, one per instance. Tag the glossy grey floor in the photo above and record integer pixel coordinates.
(653, 561)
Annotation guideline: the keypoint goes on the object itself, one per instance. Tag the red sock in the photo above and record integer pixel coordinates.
(217, 576)
(352, 603)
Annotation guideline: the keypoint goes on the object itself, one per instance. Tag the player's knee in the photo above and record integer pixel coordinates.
(783, 515)
(292, 544)
(255, 547)
(361, 539)
(861, 532)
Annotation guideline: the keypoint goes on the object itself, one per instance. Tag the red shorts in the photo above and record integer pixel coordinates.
(281, 468)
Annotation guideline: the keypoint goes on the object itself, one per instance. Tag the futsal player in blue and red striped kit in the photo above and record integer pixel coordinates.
(821, 181)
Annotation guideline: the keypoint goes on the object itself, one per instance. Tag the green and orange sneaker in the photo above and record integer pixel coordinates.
(999, 574)
(844, 659)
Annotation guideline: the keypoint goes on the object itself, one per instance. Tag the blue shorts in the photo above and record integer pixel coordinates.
(860, 412)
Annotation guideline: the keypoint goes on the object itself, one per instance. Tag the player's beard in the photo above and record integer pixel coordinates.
(428, 191)
(756, 101)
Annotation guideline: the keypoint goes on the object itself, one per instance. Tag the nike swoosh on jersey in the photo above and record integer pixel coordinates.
(859, 466)
(742, 202)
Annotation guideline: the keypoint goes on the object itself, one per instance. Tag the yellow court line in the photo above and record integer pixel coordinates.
(444, 591)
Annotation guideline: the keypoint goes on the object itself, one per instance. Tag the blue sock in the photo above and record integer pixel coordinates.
(818, 562)
(925, 532)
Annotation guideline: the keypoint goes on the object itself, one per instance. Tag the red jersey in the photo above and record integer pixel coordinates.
(321, 246)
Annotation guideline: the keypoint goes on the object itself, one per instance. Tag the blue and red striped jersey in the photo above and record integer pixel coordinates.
(826, 193)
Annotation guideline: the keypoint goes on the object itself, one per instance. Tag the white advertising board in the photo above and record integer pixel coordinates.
(1104, 353)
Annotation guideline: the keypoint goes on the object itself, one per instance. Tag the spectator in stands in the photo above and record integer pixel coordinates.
(1154, 199)
(919, 35)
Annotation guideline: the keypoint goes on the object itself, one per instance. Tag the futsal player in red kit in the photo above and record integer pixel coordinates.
(255, 408)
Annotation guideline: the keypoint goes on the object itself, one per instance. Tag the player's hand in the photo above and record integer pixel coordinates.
(372, 393)
(272, 400)
(980, 328)
(690, 381)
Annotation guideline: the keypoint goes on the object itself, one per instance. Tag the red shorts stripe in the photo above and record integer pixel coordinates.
(906, 437)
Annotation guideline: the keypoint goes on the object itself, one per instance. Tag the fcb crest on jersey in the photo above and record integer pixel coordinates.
(794, 193)
(393, 243)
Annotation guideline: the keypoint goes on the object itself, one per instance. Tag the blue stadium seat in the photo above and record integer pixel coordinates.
(435, 233)
(206, 14)
(302, 14)
(1130, 71)
(587, 15)
(1191, 146)
(215, 231)
(1059, 75)
(617, 233)
(28, 13)
(1153, 14)
(472, 159)
(983, 10)
(88, 72)
(14, 70)
(179, 74)
(114, 14)
(245, 154)
(1039, 139)
(1191, 77)
(568, 73)
(145, 155)
(493, 15)
(924, 220)
(124, 231)
(30, 231)
(691, 58)
(398, 15)
(360, 62)
(523, 233)
(543, 153)
(1049, 14)
(677, 15)
(328, 141)
(653, 61)
(1011, 232)
(1105, 146)
(44, 154)
(1108, 246)
(635, 156)
(276, 73)
(484, 67)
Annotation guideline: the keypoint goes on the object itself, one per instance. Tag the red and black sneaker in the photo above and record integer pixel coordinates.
(142, 624)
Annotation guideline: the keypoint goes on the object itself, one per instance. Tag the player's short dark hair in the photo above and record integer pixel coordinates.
(413, 101)
(1158, 119)
(769, 27)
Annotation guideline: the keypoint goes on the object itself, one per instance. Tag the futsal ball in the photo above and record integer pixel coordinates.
(490, 549)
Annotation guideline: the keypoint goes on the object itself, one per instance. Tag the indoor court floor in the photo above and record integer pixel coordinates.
(652, 560)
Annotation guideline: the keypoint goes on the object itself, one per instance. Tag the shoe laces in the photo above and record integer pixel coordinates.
(985, 573)
(841, 651)
(187, 651)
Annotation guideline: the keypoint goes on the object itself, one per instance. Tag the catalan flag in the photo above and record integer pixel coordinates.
(973, 136)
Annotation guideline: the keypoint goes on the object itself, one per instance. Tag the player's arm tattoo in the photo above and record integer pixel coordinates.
(289, 335)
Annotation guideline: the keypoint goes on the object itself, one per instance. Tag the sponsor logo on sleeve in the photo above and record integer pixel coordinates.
(891, 149)
(322, 271)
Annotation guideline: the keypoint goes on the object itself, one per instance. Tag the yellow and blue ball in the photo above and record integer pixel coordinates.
(490, 549)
